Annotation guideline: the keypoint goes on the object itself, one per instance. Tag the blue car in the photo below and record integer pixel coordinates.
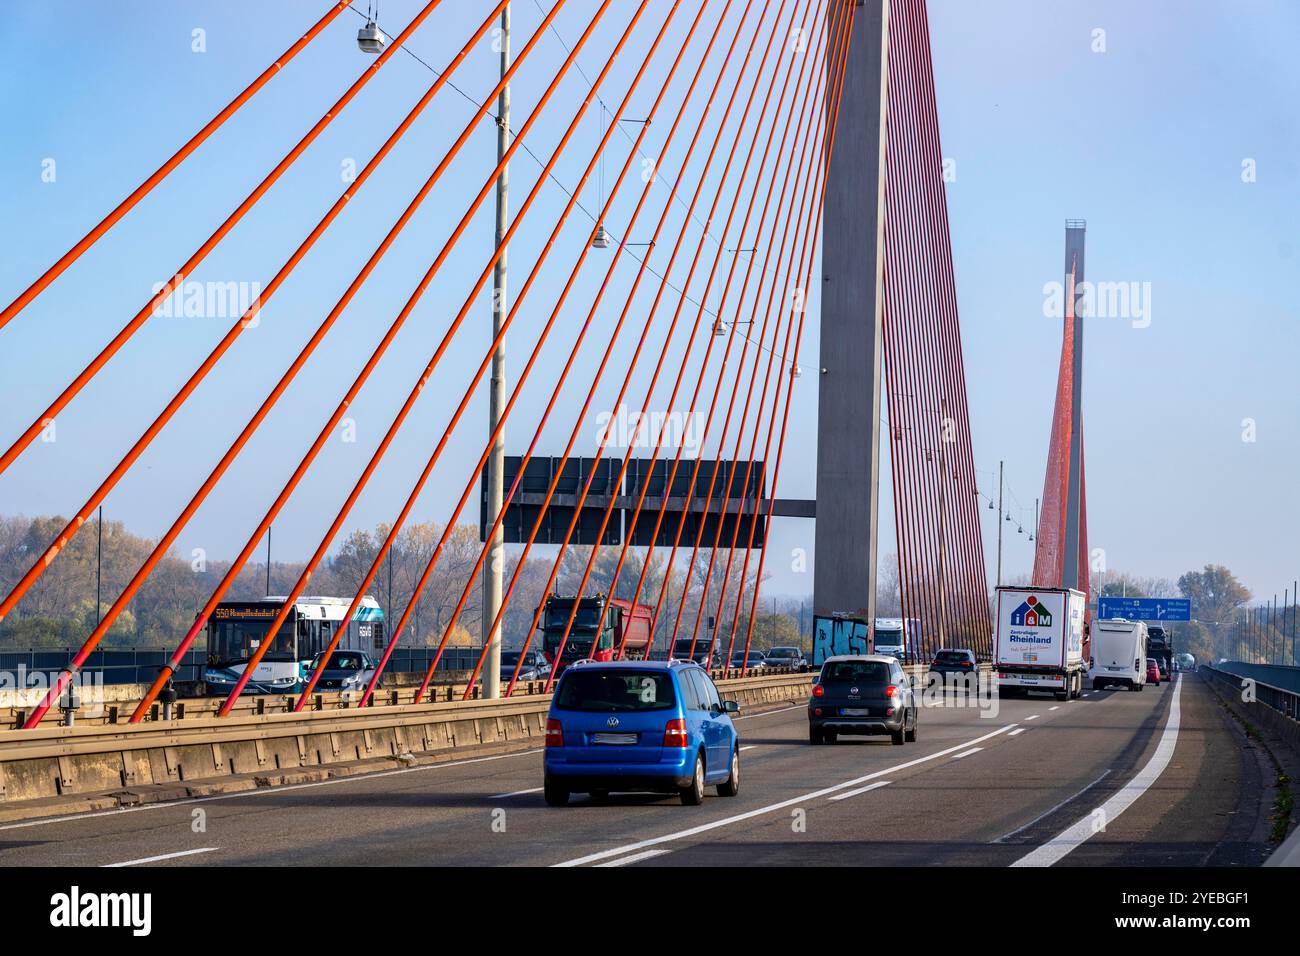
(656, 726)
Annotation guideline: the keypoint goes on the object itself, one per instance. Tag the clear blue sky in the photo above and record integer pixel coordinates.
(1145, 140)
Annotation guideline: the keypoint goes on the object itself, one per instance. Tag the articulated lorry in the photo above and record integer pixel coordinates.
(1039, 641)
(599, 626)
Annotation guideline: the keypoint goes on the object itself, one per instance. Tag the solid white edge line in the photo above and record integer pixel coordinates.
(161, 856)
(1048, 812)
(1075, 836)
(760, 811)
(634, 858)
(861, 790)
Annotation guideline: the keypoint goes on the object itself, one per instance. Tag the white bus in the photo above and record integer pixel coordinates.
(237, 629)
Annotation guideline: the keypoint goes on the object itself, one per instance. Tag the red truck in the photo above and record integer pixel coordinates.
(599, 626)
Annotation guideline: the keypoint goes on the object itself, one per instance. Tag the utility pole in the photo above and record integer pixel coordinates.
(496, 401)
(1000, 464)
(99, 564)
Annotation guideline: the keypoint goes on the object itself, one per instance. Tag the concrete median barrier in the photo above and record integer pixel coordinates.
(52, 769)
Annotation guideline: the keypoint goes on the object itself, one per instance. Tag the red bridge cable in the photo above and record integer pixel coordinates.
(128, 330)
(630, 528)
(726, 354)
(232, 452)
(158, 175)
(645, 332)
(214, 476)
(632, 363)
(659, 365)
(731, 472)
(395, 634)
(397, 525)
(785, 417)
(418, 389)
(791, 278)
(691, 485)
(182, 395)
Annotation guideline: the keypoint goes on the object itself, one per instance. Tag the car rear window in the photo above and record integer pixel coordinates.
(610, 691)
(951, 657)
(864, 671)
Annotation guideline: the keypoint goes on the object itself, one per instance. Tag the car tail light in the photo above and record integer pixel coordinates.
(965, 663)
(554, 734)
(819, 691)
(889, 711)
(891, 690)
(675, 734)
(817, 711)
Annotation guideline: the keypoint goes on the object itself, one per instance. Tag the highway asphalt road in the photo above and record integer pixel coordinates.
(1022, 786)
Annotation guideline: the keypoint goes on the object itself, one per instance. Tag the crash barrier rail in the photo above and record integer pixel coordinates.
(1268, 694)
(141, 665)
(117, 701)
(177, 758)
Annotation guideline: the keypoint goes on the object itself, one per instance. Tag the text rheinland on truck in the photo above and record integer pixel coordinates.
(1038, 643)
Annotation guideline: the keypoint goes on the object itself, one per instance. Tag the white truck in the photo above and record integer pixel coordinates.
(1119, 654)
(1038, 643)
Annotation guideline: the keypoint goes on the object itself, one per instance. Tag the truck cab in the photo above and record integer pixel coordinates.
(599, 626)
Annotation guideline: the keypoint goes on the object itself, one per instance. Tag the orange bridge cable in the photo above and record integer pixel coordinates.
(141, 576)
(464, 597)
(218, 471)
(806, 256)
(664, 280)
(161, 173)
(771, 301)
(731, 404)
(670, 334)
(627, 306)
(183, 394)
(792, 279)
(397, 525)
(671, 478)
(415, 393)
(645, 331)
(630, 529)
(128, 330)
(785, 417)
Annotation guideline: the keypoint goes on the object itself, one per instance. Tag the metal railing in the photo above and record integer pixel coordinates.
(1274, 685)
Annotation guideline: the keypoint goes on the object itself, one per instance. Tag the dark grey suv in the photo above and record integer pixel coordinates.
(861, 695)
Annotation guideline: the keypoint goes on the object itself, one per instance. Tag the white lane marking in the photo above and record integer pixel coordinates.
(973, 750)
(1033, 716)
(770, 808)
(1047, 813)
(162, 856)
(634, 858)
(1088, 694)
(1018, 730)
(1054, 708)
(515, 793)
(260, 791)
(769, 713)
(853, 793)
(1068, 840)
(750, 747)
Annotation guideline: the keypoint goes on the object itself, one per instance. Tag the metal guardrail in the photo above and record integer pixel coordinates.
(1275, 685)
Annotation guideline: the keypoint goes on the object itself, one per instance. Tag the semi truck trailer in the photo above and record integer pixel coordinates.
(1038, 641)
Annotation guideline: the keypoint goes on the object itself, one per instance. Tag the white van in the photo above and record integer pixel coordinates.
(1119, 654)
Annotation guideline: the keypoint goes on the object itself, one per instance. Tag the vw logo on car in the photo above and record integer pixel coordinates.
(612, 722)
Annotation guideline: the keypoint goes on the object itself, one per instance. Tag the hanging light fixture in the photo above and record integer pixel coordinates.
(720, 327)
(796, 371)
(370, 38)
(600, 238)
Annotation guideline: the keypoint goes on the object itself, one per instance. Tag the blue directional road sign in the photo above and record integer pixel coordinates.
(1145, 609)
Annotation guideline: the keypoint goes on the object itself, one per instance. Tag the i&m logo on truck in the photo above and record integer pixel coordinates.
(1030, 613)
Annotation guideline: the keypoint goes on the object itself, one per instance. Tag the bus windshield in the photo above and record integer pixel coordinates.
(232, 642)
